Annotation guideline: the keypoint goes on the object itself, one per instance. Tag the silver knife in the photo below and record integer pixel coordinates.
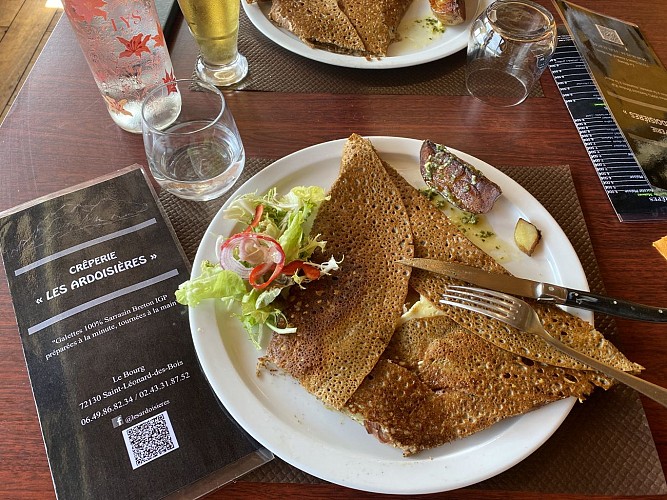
(542, 291)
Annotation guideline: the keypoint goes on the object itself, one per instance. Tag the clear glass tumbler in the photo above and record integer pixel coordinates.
(124, 46)
(193, 147)
(215, 26)
(509, 47)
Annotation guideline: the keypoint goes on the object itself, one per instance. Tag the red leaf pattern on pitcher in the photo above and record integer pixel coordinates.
(170, 81)
(117, 107)
(85, 10)
(159, 38)
(135, 46)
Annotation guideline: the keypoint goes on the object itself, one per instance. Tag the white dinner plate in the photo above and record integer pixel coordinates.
(296, 427)
(414, 48)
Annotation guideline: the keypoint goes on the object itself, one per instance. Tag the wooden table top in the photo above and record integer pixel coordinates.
(58, 134)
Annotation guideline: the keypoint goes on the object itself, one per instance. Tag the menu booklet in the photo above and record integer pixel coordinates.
(124, 407)
(633, 83)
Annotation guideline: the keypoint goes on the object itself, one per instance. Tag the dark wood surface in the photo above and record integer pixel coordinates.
(58, 134)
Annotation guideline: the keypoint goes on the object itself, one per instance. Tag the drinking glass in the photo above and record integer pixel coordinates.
(509, 47)
(192, 144)
(215, 27)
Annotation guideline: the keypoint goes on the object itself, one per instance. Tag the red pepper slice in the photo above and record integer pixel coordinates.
(260, 270)
(257, 272)
(311, 272)
(259, 210)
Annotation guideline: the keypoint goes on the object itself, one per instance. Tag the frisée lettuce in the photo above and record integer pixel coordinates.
(258, 263)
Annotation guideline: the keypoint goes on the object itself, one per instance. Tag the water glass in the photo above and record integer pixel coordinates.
(509, 47)
(193, 147)
(214, 24)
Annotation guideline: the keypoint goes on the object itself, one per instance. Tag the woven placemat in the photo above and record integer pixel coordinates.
(275, 69)
(604, 447)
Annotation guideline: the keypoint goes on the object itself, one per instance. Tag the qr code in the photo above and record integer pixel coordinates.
(150, 439)
(609, 34)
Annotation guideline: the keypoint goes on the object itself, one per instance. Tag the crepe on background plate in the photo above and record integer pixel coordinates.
(358, 27)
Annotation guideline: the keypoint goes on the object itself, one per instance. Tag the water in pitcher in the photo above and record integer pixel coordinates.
(124, 46)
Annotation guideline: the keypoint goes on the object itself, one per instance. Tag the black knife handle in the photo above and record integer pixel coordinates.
(615, 307)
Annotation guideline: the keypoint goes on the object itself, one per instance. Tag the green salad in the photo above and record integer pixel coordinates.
(259, 263)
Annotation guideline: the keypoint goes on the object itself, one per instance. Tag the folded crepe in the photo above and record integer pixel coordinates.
(376, 21)
(358, 27)
(437, 382)
(345, 321)
(319, 23)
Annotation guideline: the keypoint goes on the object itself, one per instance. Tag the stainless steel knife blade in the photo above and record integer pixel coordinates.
(541, 291)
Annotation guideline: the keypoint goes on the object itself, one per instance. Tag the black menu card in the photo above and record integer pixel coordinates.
(124, 407)
(633, 83)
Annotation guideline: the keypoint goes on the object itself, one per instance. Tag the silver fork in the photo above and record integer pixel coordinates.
(517, 313)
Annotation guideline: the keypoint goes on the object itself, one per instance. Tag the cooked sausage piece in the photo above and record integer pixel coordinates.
(459, 182)
(449, 12)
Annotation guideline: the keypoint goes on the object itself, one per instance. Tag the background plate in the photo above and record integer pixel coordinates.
(296, 427)
(414, 48)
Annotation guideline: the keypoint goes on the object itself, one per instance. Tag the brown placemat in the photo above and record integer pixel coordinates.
(275, 69)
(604, 447)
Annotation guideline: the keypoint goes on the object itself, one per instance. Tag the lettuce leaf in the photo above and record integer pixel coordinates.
(287, 219)
(213, 283)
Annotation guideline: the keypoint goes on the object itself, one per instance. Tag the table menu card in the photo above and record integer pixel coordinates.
(633, 83)
(125, 410)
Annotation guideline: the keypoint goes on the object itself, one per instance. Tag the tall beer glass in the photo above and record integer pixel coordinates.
(215, 27)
